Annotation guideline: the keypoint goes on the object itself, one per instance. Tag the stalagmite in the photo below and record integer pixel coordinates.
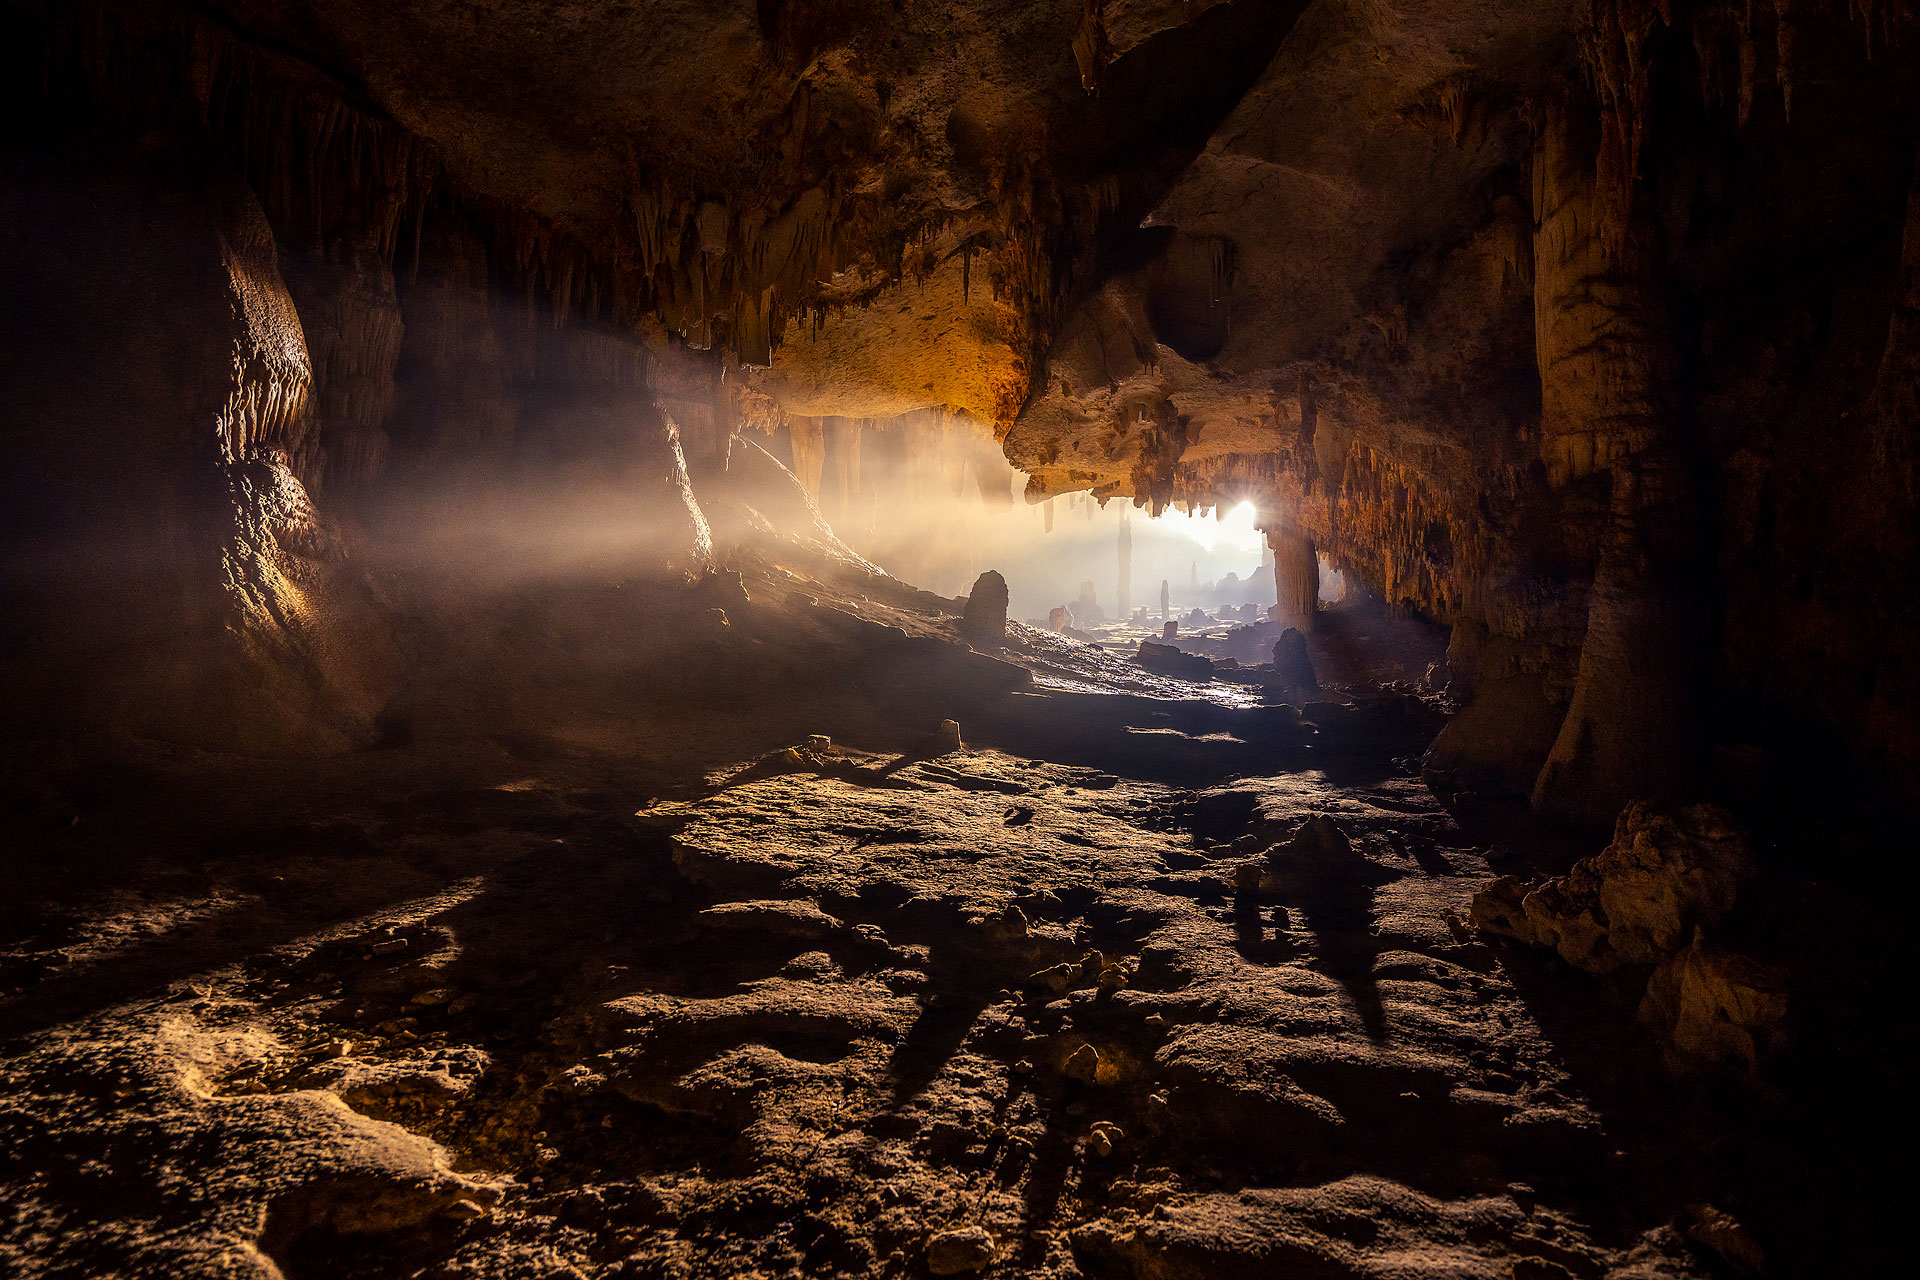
(985, 618)
(1166, 606)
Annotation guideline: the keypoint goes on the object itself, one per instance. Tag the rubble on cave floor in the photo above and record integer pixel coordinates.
(869, 1014)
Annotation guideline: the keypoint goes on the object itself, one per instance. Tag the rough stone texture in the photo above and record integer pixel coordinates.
(1715, 1009)
(1292, 667)
(1666, 873)
(167, 569)
(985, 616)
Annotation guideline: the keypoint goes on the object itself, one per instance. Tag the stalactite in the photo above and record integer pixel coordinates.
(1091, 48)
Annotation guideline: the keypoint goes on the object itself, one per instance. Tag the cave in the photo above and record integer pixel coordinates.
(1079, 639)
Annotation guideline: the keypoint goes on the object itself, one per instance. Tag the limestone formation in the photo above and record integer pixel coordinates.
(1715, 1009)
(1170, 660)
(985, 617)
(1667, 872)
(1292, 667)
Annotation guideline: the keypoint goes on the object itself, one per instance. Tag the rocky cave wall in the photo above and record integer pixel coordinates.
(1587, 330)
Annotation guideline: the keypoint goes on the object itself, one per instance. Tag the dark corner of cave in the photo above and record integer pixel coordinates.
(842, 639)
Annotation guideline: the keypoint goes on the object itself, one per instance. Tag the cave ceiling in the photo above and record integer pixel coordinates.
(1055, 218)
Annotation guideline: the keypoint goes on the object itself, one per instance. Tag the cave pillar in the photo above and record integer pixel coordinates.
(1296, 577)
(1609, 410)
(1123, 604)
(809, 453)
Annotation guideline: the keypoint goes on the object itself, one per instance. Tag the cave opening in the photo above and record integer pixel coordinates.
(1079, 639)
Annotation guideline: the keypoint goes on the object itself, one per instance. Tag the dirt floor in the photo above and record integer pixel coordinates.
(1144, 980)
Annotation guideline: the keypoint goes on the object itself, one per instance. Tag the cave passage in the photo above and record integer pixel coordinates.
(1076, 639)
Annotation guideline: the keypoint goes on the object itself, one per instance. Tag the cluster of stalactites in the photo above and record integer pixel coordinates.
(1621, 42)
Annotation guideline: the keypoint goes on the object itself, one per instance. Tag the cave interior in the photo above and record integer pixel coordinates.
(1088, 639)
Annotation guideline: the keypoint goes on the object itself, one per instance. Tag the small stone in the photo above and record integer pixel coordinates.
(1155, 1022)
(437, 995)
(1083, 1064)
(389, 947)
(819, 743)
(1099, 1143)
(1058, 978)
(952, 1253)
(948, 735)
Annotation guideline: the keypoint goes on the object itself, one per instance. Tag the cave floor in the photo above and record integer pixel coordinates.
(823, 1012)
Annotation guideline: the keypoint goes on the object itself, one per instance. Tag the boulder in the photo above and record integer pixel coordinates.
(1168, 660)
(1716, 1009)
(1667, 872)
(952, 1253)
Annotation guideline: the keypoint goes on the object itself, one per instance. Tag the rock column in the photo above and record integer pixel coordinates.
(1608, 408)
(1296, 577)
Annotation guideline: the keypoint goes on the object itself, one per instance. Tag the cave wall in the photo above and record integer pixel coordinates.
(235, 389)
(167, 573)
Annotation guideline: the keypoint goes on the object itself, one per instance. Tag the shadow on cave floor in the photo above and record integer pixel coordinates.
(709, 1006)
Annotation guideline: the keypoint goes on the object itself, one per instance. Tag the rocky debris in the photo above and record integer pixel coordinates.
(985, 618)
(1166, 659)
(1059, 619)
(952, 1253)
(797, 919)
(1292, 668)
(1714, 1009)
(1083, 1064)
(1057, 978)
(1720, 1231)
(1666, 872)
